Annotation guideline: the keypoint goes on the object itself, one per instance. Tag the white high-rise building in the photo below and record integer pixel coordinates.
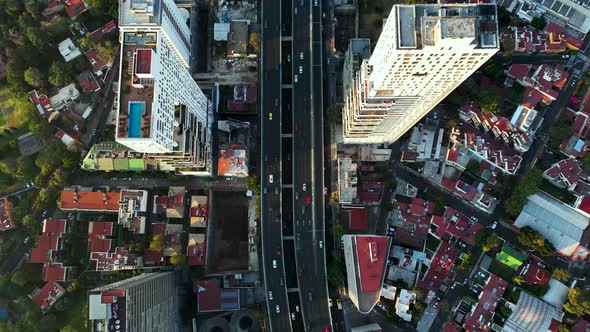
(161, 110)
(423, 54)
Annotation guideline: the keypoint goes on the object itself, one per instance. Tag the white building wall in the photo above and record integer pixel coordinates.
(416, 78)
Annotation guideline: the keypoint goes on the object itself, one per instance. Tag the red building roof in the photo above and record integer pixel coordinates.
(54, 272)
(100, 228)
(440, 269)
(581, 326)
(90, 201)
(480, 318)
(196, 253)
(75, 8)
(47, 296)
(211, 297)
(371, 254)
(99, 33)
(450, 326)
(534, 274)
(143, 64)
(153, 257)
(358, 219)
(95, 60)
(48, 241)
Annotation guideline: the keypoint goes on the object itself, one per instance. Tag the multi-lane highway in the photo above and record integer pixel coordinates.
(308, 184)
(270, 173)
(292, 217)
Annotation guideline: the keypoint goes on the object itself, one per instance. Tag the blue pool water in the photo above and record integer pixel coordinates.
(135, 114)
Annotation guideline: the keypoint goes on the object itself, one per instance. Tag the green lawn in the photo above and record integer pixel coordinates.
(9, 116)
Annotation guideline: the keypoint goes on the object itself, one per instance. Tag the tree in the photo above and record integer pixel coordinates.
(578, 302)
(465, 263)
(529, 184)
(335, 274)
(38, 38)
(87, 41)
(59, 73)
(15, 69)
(101, 8)
(561, 274)
(491, 108)
(106, 51)
(25, 169)
(34, 77)
(28, 220)
(177, 259)
(538, 23)
(157, 243)
(486, 240)
(255, 41)
(519, 280)
(337, 229)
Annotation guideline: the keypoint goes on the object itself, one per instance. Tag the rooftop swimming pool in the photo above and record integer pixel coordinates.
(136, 110)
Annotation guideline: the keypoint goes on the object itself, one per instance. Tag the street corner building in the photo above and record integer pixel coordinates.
(424, 52)
(365, 257)
(160, 108)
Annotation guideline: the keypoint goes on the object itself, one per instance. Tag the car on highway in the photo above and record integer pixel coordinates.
(270, 178)
(295, 79)
(302, 3)
(274, 263)
(295, 11)
(321, 244)
(308, 200)
(293, 316)
(301, 55)
(270, 295)
(297, 308)
(278, 309)
(288, 57)
(276, 102)
(300, 69)
(339, 304)
(304, 187)
(270, 116)
(330, 302)
(315, 3)
(296, 195)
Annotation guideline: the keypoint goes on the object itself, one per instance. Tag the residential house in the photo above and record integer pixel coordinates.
(48, 250)
(99, 34)
(542, 82)
(196, 250)
(68, 50)
(75, 8)
(46, 296)
(172, 206)
(76, 199)
(411, 222)
(199, 211)
(424, 144)
(481, 316)
(133, 210)
(453, 225)
(535, 273)
(233, 160)
(402, 304)
(575, 147)
(528, 39)
(440, 273)
(97, 62)
(568, 174)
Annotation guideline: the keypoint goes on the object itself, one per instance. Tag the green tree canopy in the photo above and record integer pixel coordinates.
(578, 302)
(157, 242)
(34, 77)
(178, 259)
(561, 274)
(529, 184)
(59, 73)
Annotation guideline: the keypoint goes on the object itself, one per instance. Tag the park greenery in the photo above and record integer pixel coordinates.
(534, 240)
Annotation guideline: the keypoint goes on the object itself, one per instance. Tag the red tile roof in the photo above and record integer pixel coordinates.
(533, 274)
(90, 201)
(480, 318)
(440, 269)
(75, 7)
(48, 241)
(358, 219)
(54, 272)
(569, 169)
(47, 296)
(41, 103)
(371, 252)
(581, 326)
(99, 33)
(457, 225)
(153, 257)
(585, 204)
(121, 258)
(100, 228)
(143, 63)
(95, 61)
(519, 71)
(211, 297)
(557, 32)
(450, 326)
(196, 253)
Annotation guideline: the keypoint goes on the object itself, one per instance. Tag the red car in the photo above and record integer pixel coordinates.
(308, 200)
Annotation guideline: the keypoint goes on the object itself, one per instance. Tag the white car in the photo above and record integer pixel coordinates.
(297, 308)
(494, 225)
(274, 263)
(321, 244)
(270, 178)
(270, 295)
(330, 302)
(295, 12)
(288, 57)
(278, 309)
(295, 78)
(304, 187)
(300, 69)
(293, 316)
(301, 55)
